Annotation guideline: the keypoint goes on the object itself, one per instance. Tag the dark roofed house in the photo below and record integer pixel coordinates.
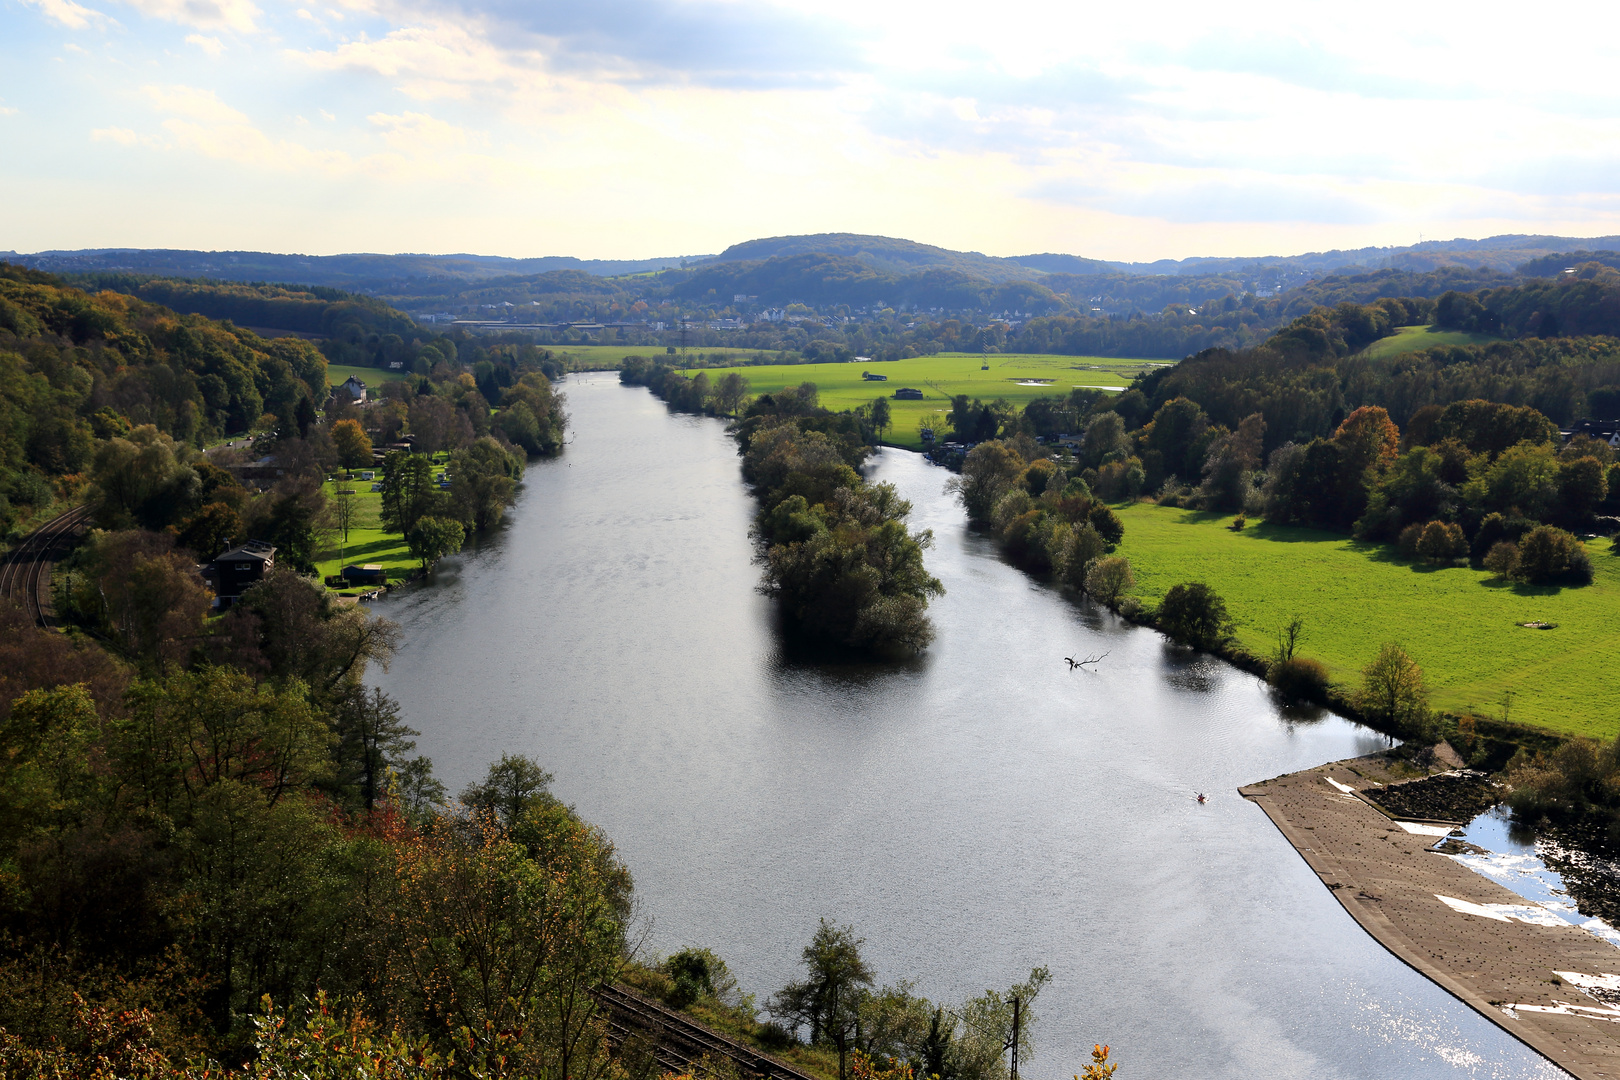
(907, 393)
(355, 388)
(234, 571)
(369, 574)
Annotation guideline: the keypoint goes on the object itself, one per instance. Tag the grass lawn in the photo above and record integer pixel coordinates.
(1018, 378)
(1417, 338)
(368, 543)
(339, 373)
(1458, 623)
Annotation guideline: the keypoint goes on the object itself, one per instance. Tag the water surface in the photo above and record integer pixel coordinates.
(973, 813)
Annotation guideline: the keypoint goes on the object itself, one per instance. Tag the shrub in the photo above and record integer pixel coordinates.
(1549, 554)
(1407, 542)
(1503, 559)
(1441, 542)
(1193, 614)
(1107, 523)
(1239, 522)
(1301, 678)
(1108, 579)
(1495, 528)
(1081, 546)
(1393, 691)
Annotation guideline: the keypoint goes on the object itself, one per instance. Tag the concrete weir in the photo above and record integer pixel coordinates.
(1544, 981)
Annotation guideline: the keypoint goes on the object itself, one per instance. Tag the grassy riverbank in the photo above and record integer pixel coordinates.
(368, 541)
(1458, 623)
(1020, 378)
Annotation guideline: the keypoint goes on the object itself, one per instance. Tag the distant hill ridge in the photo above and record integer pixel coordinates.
(406, 275)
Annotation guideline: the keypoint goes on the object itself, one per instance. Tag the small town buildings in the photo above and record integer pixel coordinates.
(234, 571)
(355, 388)
(869, 377)
(1603, 430)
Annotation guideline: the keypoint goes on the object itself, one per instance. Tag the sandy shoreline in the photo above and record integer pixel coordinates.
(1462, 930)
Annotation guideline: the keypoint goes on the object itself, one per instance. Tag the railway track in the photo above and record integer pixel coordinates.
(25, 576)
(678, 1041)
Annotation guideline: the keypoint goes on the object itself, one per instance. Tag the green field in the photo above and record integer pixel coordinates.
(940, 378)
(1417, 338)
(607, 357)
(1458, 623)
(367, 543)
(339, 373)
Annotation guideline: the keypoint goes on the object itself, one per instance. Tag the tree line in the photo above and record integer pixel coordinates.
(225, 858)
(77, 369)
(837, 1009)
(838, 554)
(1484, 480)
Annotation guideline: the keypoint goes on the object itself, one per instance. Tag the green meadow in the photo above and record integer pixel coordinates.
(1460, 624)
(340, 373)
(608, 357)
(368, 542)
(1409, 339)
(1018, 378)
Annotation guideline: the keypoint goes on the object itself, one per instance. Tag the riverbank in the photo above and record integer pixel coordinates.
(1511, 962)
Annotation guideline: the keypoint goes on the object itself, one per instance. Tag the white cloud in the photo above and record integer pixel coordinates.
(121, 136)
(210, 45)
(234, 15)
(72, 15)
(415, 132)
(194, 104)
(6, 110)
(430, 61)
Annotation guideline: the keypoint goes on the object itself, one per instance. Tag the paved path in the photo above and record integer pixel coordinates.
(1487, 955)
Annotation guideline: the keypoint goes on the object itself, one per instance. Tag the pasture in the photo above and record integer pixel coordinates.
(608, 357)
(1459, 624)
(1019, 378)
(1409, 339)
(336, 374)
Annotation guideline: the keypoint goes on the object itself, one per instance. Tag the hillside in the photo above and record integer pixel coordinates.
(359, 272)
(882, 253)
(317, 309)
(416, 275)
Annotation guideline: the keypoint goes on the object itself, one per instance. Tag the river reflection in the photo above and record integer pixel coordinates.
(973, 813)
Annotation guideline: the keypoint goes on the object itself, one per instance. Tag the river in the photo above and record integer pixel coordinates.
(973, 813)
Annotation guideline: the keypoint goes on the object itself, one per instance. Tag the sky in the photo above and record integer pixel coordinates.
(652, 128)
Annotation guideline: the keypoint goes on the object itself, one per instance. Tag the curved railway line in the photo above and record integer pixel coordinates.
(25, 576)
(678, 1041)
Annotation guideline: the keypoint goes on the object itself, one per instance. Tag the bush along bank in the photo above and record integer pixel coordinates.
(837, 551)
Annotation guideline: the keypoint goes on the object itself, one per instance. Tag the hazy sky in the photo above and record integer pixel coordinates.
(635, 128)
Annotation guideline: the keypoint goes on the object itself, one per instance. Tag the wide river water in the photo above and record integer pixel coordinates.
(973, 813)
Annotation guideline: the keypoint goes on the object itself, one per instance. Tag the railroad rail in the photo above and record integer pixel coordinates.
(678, 1041)
(25, 576)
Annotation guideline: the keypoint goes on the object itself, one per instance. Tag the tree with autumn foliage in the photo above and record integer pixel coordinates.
(352, 443)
